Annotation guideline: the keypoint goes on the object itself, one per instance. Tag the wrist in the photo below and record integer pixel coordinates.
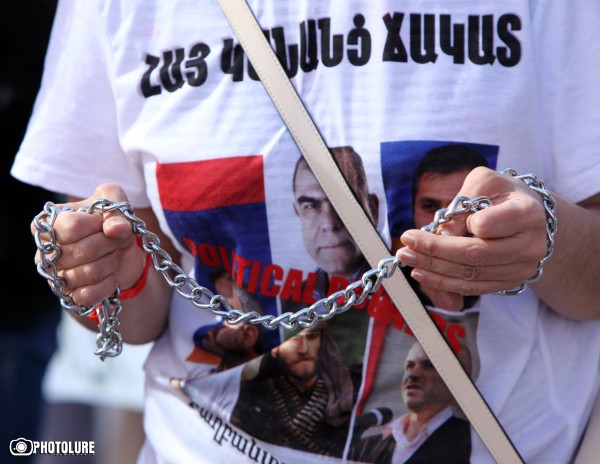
(140, 284)
(133, 290)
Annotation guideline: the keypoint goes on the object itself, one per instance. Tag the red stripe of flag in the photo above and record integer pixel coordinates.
(377, 338)
(200, 185)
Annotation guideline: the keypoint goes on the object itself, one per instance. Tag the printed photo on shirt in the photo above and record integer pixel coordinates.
(301, 394)
(421, 424)
(422, 177)
(408, 414)
(328, 389)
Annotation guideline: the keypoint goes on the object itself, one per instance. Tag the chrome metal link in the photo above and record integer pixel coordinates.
(109, 341)
(459, 205)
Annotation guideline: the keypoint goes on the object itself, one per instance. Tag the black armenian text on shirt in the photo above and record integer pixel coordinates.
(420, 38)
(295, 285)
(228, 434)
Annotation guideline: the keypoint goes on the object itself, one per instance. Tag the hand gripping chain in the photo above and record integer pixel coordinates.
(109, 342)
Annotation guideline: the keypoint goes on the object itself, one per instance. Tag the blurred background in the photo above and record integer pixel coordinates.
(52, 387)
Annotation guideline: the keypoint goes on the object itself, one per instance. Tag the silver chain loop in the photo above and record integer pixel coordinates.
(109, 342)
(459, 205)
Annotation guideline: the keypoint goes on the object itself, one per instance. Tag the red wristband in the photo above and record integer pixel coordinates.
(94, 314)
(140, 284)
(131, 291)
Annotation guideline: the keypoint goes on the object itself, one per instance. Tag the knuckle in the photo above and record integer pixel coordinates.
(475, 254)
(92, 294)
(93, 273)
(477, 225)
(68, 281)
(468, 272)
(429, 246)
(436, 283)
(424, 262)
(85, 297)
(530, 209)
(430, 280)
(482, 173)
(466, 288)
(81, 254)
(69, 221)
(463, 271)
(536, 249)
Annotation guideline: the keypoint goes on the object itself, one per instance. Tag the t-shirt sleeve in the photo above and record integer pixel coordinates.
(567, 41)
(72, 143)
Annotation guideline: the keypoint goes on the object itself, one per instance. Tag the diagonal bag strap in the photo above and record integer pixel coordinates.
(319, 159)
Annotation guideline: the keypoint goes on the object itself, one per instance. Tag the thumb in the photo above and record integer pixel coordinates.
(112, 192)
(481, 188)
(451, 220)
(114, 225)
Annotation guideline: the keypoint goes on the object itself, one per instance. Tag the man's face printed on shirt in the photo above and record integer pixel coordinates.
(422, 387)
(299, 356)
(435, 191)
(326, 238)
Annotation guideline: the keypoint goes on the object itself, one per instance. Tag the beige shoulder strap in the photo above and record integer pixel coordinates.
(356, 221)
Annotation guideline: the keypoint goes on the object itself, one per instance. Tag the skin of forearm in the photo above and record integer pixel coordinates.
(143, 318)
(571, 281)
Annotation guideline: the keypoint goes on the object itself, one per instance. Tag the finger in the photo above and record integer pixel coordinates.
(111, 192)
(90, 249)
(93, 294)
(97, 279)
(515, 207)
(91, 273)
(444, 300)
(72, 226)
(502, 272)
(69, 226)
(515, 215)
(115, 225)
(118, 227)
(460, 286)
(475, 251)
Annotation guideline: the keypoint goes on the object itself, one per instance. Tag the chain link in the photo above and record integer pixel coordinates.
(109, 341)
(459, 205)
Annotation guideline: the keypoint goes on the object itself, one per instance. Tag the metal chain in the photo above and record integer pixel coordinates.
(109, 341)
(459, 205)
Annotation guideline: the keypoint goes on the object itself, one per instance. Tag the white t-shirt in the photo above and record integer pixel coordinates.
(158, 97)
